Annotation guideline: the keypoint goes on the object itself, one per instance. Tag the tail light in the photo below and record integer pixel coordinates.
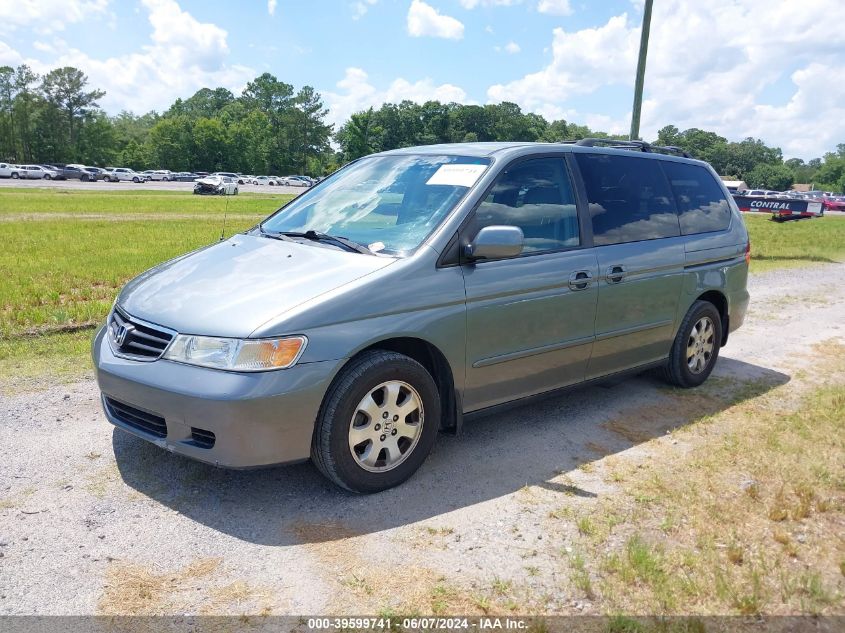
(748, 252)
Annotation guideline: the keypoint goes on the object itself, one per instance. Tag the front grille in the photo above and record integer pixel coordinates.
(202, 438)
(137, 338)
(137, 419)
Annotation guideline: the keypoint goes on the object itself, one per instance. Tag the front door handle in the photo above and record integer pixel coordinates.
(580, 280)
(615, 274)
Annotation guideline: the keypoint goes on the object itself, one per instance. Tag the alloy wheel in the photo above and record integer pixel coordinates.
(386, 426)
(700, 345)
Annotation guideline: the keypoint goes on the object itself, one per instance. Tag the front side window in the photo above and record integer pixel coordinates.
(702, 206)
(388, 203)
(629, 198)
(535, 195)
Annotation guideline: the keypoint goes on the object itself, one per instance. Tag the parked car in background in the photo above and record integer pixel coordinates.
(6, 170)
(216, 185)
(226, 174)
(295, 181)
(244, 179)
(184, 176)
(123, 174)
(55, 172)
(834, 203)
(266, 180)
(267, 348)
(161, 175)
(33, 172)
(75, 171)
(98, 172)
(202, 174)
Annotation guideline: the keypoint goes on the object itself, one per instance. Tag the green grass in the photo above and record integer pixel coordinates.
(67, 253)
(25, 201)
(792, 244)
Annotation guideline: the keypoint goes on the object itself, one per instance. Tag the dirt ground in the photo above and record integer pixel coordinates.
(122, 527)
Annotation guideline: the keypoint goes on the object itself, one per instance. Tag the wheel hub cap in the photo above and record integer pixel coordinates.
(386, 426)
(700, 345)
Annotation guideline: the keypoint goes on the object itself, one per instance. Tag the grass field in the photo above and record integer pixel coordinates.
(790, 244)
(67, 253)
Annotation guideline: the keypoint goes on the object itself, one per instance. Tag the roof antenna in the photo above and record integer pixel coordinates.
(225, 212)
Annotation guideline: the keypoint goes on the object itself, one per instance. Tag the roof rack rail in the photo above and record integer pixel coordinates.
(635, 145)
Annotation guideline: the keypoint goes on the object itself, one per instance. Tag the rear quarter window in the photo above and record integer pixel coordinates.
(702, 206)
(629, 199)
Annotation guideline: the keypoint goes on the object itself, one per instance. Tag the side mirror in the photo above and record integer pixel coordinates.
(496, 242)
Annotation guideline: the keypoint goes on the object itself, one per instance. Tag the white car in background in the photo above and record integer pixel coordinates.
(6, 170)
(163, 175)
(267, 180)
(33, 172)
(294, 181)
(216, 185)
(123, 174)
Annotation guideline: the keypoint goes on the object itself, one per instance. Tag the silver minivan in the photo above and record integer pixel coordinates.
(416, 286)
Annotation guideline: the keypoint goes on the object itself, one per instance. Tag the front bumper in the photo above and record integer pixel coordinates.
(207, 190)
(258, 419)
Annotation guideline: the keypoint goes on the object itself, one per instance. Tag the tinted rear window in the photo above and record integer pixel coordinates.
(702, 206)
(629, 199)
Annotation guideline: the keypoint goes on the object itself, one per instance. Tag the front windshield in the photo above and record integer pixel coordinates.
(388, 203)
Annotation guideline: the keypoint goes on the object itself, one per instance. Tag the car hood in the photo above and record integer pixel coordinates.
(233, 287)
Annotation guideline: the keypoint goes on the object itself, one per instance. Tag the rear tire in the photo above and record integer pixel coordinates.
(696, 346)
(395, 440)
(15, 175)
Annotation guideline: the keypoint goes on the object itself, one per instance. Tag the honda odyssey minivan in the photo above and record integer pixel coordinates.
(415, 286)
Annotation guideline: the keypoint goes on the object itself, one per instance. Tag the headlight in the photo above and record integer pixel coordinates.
(236, 354)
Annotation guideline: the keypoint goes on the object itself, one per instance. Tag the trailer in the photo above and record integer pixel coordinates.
(782, 209)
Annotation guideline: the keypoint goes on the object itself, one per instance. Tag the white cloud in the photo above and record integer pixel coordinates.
(360, 8)
(183, 55)
(47, 16)
(706, 69)
(271, 6)
(582, 62)
(471, 4)
(356, 93)
(554, 7)
(424, 20)
(512, 48)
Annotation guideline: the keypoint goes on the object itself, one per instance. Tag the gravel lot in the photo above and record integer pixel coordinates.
(130, 186)
(88, 513)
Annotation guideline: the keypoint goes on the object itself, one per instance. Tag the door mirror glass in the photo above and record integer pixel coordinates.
(496, 242)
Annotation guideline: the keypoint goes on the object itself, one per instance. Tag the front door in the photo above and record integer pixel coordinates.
(530, 319)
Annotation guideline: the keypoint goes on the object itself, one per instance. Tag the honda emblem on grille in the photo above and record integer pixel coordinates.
(122, 332)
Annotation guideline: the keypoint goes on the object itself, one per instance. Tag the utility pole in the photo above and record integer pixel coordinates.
(638, 87)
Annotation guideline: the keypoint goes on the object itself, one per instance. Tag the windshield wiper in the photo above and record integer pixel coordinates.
(275, 236)
(316, 236)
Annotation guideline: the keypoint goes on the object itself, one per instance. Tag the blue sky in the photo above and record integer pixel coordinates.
(740, 67)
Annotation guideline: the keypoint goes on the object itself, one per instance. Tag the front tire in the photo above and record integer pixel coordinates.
(378, 422)
(15, 175)
(47, 177)
(696, 346)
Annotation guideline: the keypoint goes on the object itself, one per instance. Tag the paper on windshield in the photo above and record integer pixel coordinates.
(457, 175)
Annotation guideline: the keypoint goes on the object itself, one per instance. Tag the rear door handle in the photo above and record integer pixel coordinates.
(615, 274)
(580, 280)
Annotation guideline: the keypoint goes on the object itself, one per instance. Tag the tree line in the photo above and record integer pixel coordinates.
(273, 128)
